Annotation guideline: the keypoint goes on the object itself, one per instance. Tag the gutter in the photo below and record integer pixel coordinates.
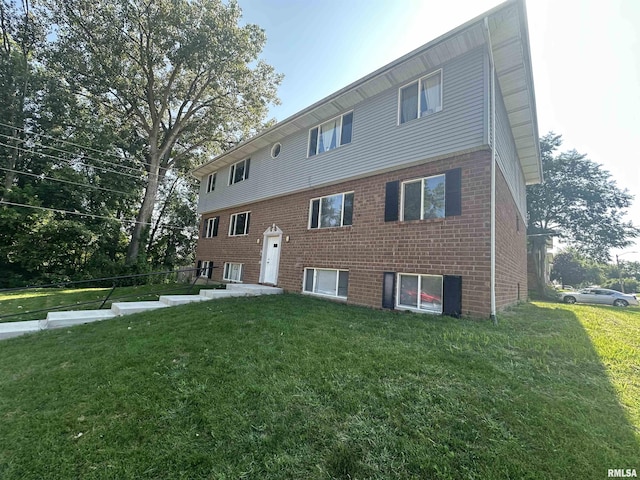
(492, 81)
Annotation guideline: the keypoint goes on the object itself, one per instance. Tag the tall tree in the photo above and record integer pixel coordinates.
(19, 36)
(577, 202)
(182, 75)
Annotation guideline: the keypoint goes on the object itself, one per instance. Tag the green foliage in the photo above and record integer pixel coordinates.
(96, 122)
(631, 284)
(184, 77)
(572, 268)
(579, 202)
(288, 386)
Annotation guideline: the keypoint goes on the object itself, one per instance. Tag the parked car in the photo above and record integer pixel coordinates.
(602, 296)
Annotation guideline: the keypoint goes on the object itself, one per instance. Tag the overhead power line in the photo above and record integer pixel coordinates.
(21, 140)
(60, 140)
(91, 215)
(70, 162)
(44, 177)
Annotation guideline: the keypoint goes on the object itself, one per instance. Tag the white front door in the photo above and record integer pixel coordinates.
(272, 260)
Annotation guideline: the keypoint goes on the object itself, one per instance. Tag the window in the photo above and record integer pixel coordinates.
(239, 224)
(329, 282)
(211, 183)
(275, 150)
(211, 227)
(206, 268)
(239, 171)
(423, 198)
(420, 98)
(420, 292)
(331, 211)
(232, 272)
(331, 134)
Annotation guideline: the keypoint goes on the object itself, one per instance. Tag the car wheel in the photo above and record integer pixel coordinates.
(620, 303)
(570, 300)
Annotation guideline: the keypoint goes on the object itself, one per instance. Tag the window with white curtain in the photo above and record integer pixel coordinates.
(331, 134)
(420, 98)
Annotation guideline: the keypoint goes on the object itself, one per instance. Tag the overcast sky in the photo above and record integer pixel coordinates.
(585, 56)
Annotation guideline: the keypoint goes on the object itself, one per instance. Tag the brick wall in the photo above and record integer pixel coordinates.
(458, 245)
(511, 248)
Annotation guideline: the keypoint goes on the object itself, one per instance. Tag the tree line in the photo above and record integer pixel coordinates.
(106, 106)
(573, 270)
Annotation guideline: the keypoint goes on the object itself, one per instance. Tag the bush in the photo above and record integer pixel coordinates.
(630, 284)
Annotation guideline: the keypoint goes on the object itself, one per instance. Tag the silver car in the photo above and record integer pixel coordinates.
(602, 296)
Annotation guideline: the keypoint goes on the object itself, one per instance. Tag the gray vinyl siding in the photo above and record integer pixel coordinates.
(378, 142)
(507, 156)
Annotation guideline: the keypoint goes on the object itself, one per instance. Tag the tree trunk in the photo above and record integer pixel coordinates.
(538, 256)
(141, 228)
(162, 212)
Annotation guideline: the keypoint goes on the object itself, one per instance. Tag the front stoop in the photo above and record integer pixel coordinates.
(78, 317)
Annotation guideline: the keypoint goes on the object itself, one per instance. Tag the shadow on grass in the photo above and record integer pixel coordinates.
(295, 387)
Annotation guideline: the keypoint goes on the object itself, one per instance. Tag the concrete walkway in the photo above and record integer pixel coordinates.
(78, 317)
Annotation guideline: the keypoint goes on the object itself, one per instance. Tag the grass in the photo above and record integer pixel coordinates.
(24, 302)
(290, 386)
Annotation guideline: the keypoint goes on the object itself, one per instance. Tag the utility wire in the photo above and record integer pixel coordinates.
(60, 140)
(44, 177)
(70, 162)
(2, 202)
(76, 145)
(21, 140)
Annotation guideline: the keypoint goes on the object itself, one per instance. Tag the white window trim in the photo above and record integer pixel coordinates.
(205, 266)
(273, 149)
(400, 306)
(224, 272)
(315, 274)
(232, 221)
(419, 82)
(422, 180)
(232, 170)
(211, 175)
(339, 139)
(211, 222)
(309, 227)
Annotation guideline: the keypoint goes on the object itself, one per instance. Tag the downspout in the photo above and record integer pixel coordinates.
(492, 106)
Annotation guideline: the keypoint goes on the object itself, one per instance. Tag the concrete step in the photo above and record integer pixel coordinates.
(172, 300)
(77, 317)
(127, 308)
(67, 319)
(15, 329)
(217, 293)
(253, 289)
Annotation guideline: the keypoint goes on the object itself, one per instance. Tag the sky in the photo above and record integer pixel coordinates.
(585, 56)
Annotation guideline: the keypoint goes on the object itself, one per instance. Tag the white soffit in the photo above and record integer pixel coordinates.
(510, 42)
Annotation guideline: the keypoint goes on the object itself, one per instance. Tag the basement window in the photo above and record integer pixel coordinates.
(326, 282)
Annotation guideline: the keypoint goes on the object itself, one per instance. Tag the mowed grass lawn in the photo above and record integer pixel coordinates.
(23, 302)
(292, 387)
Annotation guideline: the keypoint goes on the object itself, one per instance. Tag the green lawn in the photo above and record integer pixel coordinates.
(292, 387)
(26, 301)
